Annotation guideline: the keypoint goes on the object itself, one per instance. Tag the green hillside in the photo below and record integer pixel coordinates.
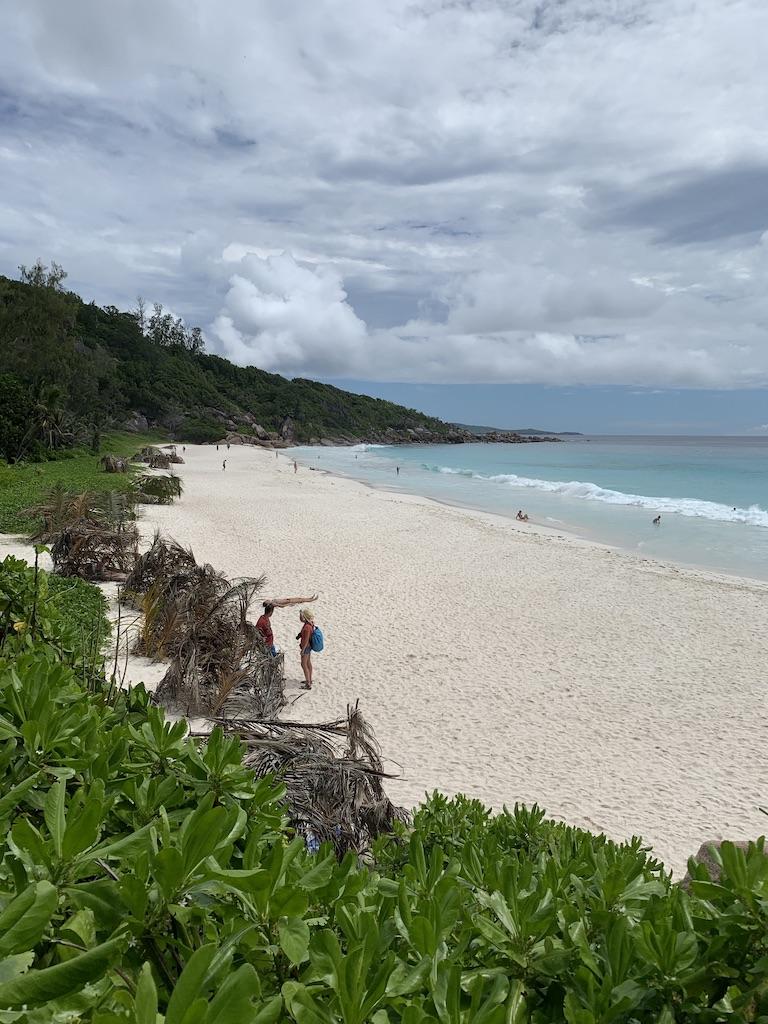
(87, 368)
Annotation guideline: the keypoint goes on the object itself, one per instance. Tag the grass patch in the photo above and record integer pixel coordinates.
(25, 485)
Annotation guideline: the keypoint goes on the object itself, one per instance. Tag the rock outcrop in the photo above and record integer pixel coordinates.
(135, 423)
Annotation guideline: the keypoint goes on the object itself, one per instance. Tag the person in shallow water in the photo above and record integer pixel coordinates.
(304, 637)
(657, 521)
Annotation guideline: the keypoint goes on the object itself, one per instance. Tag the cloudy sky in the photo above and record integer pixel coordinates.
(499, 210)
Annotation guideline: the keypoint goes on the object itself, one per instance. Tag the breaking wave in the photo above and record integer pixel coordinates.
(695, 507)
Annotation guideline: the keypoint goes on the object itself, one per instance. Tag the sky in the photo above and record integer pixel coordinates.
(515, 212)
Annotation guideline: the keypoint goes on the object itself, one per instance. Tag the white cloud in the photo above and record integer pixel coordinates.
(566, 192)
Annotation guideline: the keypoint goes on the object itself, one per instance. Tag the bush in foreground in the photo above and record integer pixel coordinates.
(141, 874)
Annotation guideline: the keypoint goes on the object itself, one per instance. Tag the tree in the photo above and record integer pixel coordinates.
(140, 313)
(195, 341)
(16, 411)
(39, 276)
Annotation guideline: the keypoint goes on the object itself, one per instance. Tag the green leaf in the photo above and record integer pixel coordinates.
(37, 987)
(271, 1011)
(188, 987)
(303, 1007)
(83, 831)
(54, 815)
(10, 799)
(294, 938)
(145, 1000)
(126, 846)
(13, 966)
(233, 1003)
(407, 978)
(26, 917)
(319, 875)
(7, 729)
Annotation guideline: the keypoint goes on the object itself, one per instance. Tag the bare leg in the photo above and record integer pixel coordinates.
(306, 665)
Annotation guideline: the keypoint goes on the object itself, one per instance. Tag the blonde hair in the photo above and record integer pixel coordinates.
(307, 615)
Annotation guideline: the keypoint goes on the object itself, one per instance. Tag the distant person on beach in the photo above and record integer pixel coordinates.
(397, 468)
(264, 626)
(224, 464)
(217, 447)
(227, 445)
(295, 466)
(304, 636)
(522, 516)
(183, 447)
(657, 521)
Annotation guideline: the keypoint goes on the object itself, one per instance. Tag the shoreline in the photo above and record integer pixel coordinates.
(620, 694)
(534, 527)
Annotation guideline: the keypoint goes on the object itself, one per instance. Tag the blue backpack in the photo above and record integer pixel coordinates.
(316, 640)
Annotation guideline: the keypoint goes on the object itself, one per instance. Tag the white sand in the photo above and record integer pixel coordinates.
(620, 694)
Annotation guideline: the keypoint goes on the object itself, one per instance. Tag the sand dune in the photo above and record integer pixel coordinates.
(620, 694)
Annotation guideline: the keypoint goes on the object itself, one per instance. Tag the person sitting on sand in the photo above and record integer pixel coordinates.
(304, 636)
(264, 626)
(522, 516)
(657, 521)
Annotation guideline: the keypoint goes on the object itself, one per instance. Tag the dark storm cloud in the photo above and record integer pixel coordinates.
(701, 207)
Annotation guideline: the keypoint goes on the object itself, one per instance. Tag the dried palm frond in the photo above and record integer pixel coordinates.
(162, 559)
(157, 490)
(114, 464)
(333, 776)
(62, 508)
(155, 458)
(93, 552)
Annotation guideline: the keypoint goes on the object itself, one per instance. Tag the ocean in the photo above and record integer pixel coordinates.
(711, 492)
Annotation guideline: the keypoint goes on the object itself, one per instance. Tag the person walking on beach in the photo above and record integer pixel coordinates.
(224, 464)
(264, 626)
(397, 469)
(295, 466)
(304, 636)
(217, 447)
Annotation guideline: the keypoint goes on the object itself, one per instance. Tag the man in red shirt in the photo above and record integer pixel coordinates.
(264, 626)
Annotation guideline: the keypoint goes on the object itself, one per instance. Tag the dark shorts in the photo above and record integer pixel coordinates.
(307, 651)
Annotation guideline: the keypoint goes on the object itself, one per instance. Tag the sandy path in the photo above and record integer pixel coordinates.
(619, 694)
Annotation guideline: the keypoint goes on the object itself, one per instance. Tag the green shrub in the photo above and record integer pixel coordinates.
(141, 874)
(16, 410)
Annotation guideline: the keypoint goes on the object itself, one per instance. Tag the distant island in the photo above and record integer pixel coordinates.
(523, 431)
(70, 370)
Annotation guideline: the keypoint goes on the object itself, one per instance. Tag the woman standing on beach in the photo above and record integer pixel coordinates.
(304, 636)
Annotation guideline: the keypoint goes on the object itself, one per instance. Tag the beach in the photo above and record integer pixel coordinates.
(499, 660)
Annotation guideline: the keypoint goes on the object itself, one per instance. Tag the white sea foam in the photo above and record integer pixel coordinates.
(365, 447)
(694, 507)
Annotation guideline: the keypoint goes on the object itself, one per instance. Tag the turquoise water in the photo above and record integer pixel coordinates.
(712, 493)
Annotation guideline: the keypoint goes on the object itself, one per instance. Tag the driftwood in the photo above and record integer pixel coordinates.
(333, 776)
